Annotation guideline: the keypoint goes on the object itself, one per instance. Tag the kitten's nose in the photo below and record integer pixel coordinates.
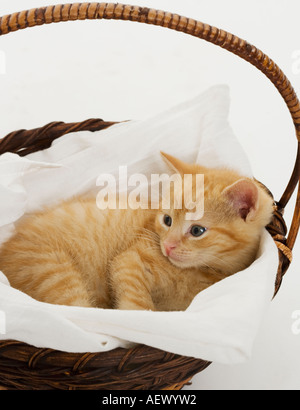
(169, 247)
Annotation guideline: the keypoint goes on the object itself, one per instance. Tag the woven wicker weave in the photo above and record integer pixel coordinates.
(26, 367)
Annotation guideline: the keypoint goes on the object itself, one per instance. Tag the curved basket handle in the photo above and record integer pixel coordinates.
(228, 41)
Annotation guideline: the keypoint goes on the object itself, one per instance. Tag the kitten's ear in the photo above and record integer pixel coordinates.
(243, 195)
(176, 164)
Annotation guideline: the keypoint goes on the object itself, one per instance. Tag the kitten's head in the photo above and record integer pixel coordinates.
(226, 235)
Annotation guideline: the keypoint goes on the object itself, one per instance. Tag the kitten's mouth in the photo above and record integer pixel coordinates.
(179, 262)
(175, 259)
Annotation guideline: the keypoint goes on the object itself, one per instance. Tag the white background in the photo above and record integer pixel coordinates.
(122, 70)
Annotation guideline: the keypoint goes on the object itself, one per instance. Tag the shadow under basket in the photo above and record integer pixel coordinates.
(23, 366)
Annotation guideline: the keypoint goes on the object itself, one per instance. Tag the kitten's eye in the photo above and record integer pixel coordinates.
(167, 220)
(197, 230)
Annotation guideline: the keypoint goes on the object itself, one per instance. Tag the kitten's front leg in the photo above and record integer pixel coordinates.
(131, 282)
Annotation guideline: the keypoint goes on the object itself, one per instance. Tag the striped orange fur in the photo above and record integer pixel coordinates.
(76, 254)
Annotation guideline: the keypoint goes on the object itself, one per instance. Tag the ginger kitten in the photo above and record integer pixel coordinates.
(75, 254)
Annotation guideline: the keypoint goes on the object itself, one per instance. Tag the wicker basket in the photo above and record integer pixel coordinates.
(26, 367)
